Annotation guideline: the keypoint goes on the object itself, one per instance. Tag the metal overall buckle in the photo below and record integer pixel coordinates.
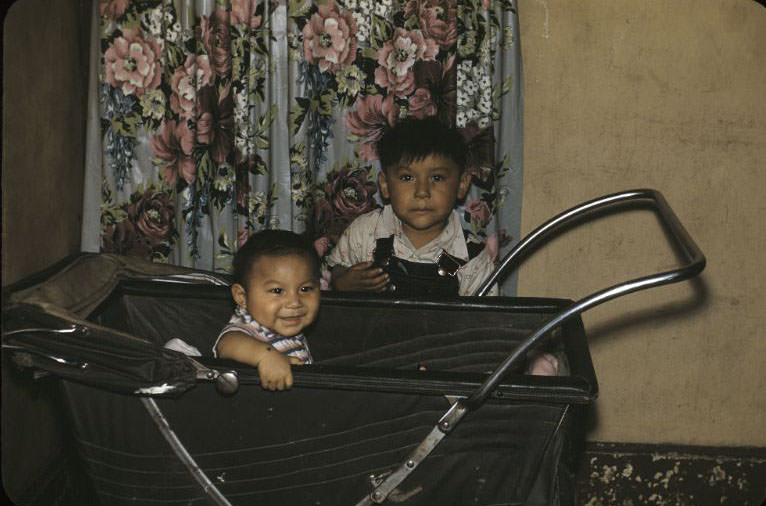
(447, 264)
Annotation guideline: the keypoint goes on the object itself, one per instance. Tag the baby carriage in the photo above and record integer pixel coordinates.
(411, 401)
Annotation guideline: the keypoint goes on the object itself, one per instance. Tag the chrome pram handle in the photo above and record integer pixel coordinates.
(692, 257)
(695, 260)
(693, 264)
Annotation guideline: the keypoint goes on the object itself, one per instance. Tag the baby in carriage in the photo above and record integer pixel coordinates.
(415, 245)
(276, 289)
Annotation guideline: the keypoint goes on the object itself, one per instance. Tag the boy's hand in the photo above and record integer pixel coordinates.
(274, 370)
(362, 277)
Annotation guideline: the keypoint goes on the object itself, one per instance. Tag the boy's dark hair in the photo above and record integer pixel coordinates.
(414, 139)
(272, 243)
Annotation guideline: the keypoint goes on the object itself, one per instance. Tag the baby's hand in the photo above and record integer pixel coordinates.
(362, 277)
(274, 370)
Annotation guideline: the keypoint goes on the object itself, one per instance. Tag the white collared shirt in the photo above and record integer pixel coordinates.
(357, 244)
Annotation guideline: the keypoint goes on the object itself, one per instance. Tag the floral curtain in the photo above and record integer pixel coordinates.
(213, 119)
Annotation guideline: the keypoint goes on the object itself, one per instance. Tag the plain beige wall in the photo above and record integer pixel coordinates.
(44, 91)
(667, 95)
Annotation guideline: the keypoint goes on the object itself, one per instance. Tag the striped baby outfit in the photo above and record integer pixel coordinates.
(241, 321)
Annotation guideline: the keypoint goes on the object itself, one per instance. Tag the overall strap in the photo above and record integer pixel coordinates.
(447, 265)
(384, 250)
(417, 279)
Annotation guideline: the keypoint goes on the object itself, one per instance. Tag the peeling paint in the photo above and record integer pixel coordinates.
(546, 21)
(716, 474)
(669, 479)
(608, 474)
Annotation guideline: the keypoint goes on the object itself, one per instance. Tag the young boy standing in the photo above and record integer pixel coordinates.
(415, 245)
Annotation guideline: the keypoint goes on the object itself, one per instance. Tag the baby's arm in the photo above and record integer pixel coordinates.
(362, 277)
(273, 366)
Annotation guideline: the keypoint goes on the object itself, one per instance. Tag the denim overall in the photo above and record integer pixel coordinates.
(415, 279)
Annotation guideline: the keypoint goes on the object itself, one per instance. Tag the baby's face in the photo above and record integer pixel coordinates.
(423, 194)
(282, 293)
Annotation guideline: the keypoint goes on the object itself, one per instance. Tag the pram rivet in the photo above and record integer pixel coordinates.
(410, 464)
(377, 496)
(227, 382)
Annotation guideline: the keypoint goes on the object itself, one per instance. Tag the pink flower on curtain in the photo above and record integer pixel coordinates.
(372, 115)
(348, 194)
(215, 123)
(192, 75)
(173, 149)
(112, 8)
(242, 235)
(133, 63)
(322, 246)
(397, 56)
(153, 214)
(203, 32)
(481, 154)
(329, 38)
(437, 83)
(243, 13)
(422, 104)
(120, 238)
(215, 35)
(438, 19)
(479, 213)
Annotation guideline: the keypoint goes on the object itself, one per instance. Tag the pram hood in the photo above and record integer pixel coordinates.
(82, 350)
(89, 324)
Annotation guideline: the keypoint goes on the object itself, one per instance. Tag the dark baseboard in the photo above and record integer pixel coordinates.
(629, 474)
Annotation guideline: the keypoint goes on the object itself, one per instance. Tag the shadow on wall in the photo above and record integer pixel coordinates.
(648, 316)
(689, 307)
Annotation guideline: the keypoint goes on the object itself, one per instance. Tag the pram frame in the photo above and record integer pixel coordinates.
(693, 263)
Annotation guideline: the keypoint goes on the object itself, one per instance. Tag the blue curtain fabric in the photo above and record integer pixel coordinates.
(214, 119)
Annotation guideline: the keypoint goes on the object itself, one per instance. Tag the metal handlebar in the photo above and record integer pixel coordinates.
(693, 256)
(694, 262)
